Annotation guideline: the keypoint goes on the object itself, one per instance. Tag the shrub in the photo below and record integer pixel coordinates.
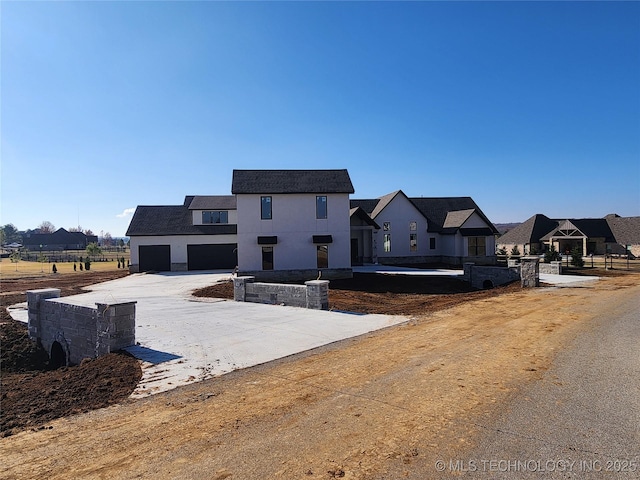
(502, 251)
(552, 255)
(576, 257)
(54, 268)
(515, 251)
(87, 265)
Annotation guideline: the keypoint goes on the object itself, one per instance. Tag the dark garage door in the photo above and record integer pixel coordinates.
(212, 257)
(154, 258)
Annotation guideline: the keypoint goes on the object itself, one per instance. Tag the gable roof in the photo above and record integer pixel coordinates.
(212, 202)
(364, 216)
(622, 230)
(589, 227)
(162, 220)
(531, 231)
(59, 237)
(457, 218)
(444, 214)
(437, 209)
(291, 181)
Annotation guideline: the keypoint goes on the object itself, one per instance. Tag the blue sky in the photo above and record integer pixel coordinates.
(526, 107)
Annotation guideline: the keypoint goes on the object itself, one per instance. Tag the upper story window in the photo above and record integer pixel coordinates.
(321, 207)
(265, 208)
(413, 226)
(215, 217)
(386, 226)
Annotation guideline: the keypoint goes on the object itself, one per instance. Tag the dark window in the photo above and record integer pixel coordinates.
(215, 217)
(432, 243)
(321, 207)
(323, 256)
(265, 208)
(267, 258)
(477, 246)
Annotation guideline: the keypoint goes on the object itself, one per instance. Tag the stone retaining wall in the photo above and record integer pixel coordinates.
(80, 331)
(314, 294)
(553, 268)
(484, 277)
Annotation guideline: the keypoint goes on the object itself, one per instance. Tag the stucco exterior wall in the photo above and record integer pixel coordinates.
(399, 213)
(294, 223)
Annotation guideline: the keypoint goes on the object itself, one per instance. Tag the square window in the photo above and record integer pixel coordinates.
(322, 256)
(386, 226)
(265, 208)
(477, 246)
(321, 207)
(413, 226)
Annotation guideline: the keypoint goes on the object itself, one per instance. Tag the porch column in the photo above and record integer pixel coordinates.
(584, 246)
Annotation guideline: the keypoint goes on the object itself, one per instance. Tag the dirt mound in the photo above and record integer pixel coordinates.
(32, 399)
(32, 393)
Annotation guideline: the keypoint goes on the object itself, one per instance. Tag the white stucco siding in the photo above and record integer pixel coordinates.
(476, 221)
(399, 213)
(294, 223)
(232, 216)
(178, 244)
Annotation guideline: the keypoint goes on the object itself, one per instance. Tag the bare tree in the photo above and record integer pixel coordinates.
(46, 227)
(107, 240)
(75, 229)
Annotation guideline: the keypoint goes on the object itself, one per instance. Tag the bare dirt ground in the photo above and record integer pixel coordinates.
(384, 405)
(31, 393)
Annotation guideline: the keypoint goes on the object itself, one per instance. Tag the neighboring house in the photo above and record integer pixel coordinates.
(450, 230)
(200, 234)
(300, 224)
(597, 236)
(61, 239)
(292, 224)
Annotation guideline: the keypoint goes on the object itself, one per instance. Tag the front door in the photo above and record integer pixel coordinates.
(354, 252)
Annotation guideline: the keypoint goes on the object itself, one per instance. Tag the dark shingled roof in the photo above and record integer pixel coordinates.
(364, 216)
(59, 237)
(171, 220)
(530, 231)
(435, 209)
(626, 230)
(291, 181)
(213, 202)
(614, 229)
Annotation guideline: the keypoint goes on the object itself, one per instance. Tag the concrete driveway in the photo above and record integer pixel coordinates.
(183, 339)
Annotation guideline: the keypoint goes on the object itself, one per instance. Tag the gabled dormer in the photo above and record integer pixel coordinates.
(213, 209)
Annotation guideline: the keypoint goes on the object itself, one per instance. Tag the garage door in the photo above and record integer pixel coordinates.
(154, 258)
(212, 257)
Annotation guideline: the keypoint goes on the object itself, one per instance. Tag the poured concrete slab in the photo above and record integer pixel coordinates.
(182, 339)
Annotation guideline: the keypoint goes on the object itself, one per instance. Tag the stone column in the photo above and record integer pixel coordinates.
(529, 272)
(240, 288)
(317, 294)
(33, 301)
(467, 268)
